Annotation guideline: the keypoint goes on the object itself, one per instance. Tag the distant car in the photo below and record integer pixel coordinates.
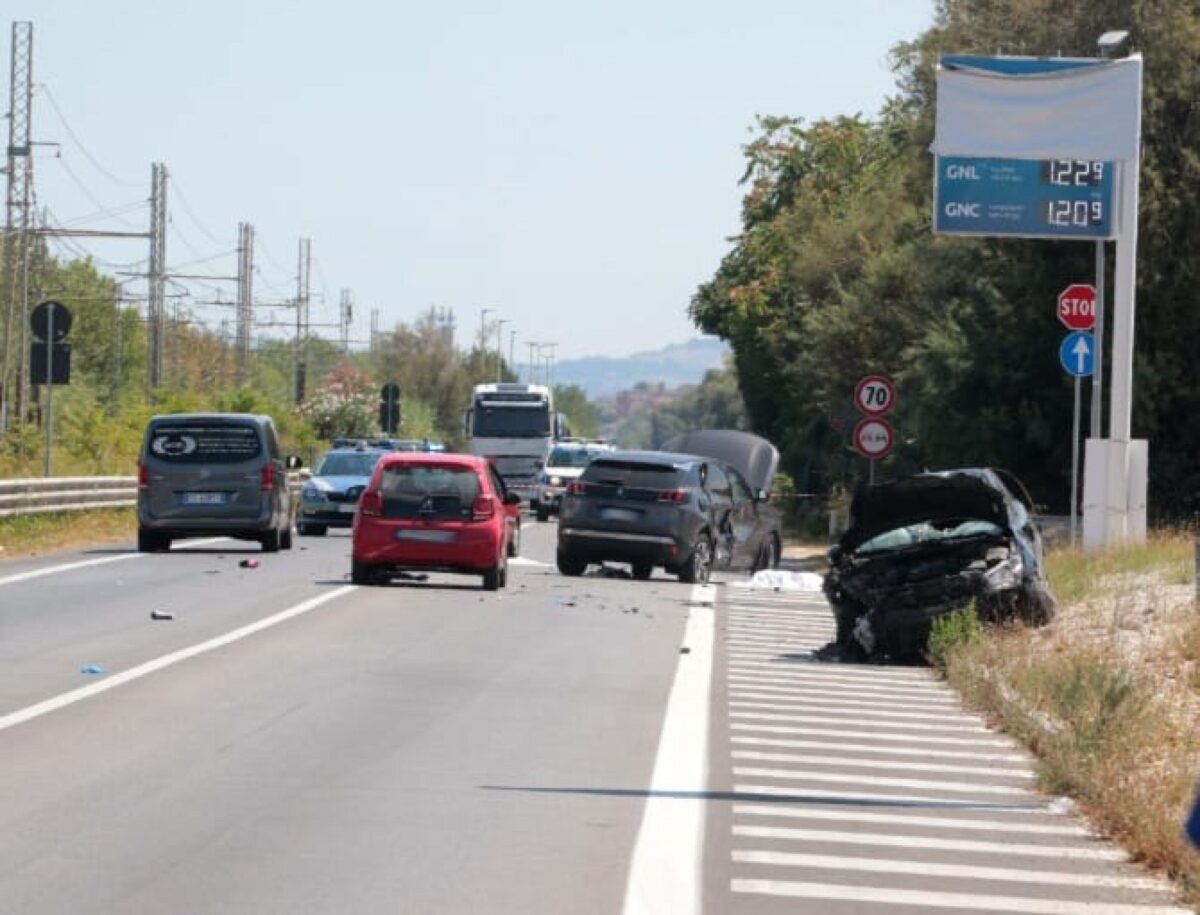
(213, 474)
(330, 496)
(930, 544)
(684, 513)
(565, 463)
(433, 512)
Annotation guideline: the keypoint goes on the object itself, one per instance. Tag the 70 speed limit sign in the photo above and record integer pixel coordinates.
(874, 395)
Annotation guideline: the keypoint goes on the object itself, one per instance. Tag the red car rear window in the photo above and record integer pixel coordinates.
(428, 491)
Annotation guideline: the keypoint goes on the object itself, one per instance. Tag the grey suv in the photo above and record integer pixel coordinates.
(203, 474)
(684, 513)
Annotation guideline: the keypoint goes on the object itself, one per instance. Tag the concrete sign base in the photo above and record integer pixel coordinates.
(1114, 492)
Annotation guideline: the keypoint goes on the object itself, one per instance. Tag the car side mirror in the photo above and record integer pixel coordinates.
(293, 462)
(512, 498)
(762, 496)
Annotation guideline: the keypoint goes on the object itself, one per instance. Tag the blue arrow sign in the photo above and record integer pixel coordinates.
(1077, 353)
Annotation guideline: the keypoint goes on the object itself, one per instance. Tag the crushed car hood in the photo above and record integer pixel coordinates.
(752, 456)
(944, 496)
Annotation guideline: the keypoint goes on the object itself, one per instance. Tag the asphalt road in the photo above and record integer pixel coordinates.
(288, 742)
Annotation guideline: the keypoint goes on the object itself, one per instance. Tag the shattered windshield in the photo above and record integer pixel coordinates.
(928, 532)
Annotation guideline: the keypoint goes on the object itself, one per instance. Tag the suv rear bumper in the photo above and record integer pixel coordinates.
(619, 546)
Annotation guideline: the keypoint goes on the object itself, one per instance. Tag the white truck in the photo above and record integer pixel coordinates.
(514, 426)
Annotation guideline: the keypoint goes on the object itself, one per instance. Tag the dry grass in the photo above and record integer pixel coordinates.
(1108, 696)
(32, 535)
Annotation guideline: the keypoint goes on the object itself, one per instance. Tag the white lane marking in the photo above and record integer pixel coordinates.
(799, 690)
(910, 739)
(875, 748)
(971, 902)
(818, 673)
(524, 561)
(875, 799)
(664, 874)
(902, 819)
(136, 673)
(780, 616)
(901, 700)
(889, 840)
(933, 869)
(861, 719)
(87, 563)
(801, 670)
(858, 762)
(859, 715)
(868, 690)
(875, 781)
(752, 698)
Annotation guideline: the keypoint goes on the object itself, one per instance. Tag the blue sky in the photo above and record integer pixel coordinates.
(573, 167)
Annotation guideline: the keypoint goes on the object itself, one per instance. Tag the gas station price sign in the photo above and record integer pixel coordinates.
(1055, 198)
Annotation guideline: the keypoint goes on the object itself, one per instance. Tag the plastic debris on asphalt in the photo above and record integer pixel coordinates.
(249, 563)
(161, 615)
(92, 669)
(779, 580)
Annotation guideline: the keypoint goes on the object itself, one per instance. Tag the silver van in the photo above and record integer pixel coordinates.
(204, 474)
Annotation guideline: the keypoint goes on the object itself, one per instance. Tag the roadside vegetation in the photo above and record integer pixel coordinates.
(31, 535)
(1107, 697)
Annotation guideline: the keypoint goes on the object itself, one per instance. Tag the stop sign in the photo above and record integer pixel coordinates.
(1077, 306)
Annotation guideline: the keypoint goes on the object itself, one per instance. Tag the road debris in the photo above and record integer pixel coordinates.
(161, 615)
(249, 563)
(92, 669)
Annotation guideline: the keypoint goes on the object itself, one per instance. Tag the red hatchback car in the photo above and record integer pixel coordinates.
(437, 513)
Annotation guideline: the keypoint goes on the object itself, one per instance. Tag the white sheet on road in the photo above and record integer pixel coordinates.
(779, 580)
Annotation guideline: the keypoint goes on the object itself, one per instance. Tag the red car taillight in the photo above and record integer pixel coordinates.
(268, 477)
(143, 477)
(483, 508)
(677, 496)
(576, 488)
(370, 503)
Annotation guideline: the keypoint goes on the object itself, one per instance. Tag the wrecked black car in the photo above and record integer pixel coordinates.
(928, 545)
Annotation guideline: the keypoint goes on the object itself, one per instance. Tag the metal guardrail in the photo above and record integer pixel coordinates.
(65, 494)
(36, 495)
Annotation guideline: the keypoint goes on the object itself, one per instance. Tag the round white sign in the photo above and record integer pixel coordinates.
(874, 395)
(874, 438)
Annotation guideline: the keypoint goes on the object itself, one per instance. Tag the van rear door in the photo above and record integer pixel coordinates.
(209, 468)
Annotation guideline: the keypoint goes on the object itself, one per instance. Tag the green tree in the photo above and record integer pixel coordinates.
(570, 400)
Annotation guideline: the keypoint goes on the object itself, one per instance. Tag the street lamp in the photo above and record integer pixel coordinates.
(483, 313)
(1108, 44)
(500, 348)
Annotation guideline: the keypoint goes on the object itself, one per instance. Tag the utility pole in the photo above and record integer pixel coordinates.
(156, 278)
(512, 345)
(483, 313)
(345, 317)
(532, 346)
(303, 275)
(374, 329)
(18, 215)
(245, 298)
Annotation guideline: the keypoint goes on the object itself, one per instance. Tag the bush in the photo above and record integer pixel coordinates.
(961, 628)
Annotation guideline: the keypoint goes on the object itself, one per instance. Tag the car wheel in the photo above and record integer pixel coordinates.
(270, 541)
(314, 530)
(699, 564)
(514, 544)
(543, 513)
(570, 565)
(776, 552)
(360, 573)
(491, 578)
(285, 538)
(642, 570)
(152, 541)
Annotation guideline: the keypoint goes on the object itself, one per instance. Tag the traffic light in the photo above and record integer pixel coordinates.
(389, 408)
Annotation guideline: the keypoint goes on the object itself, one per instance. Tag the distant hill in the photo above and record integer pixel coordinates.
(676, 364)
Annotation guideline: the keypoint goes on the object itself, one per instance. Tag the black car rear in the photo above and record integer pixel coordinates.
(645, 508)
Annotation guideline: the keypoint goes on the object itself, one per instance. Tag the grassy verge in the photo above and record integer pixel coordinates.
(32, 535)
(1108, 697)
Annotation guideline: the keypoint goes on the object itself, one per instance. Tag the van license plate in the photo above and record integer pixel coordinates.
(204, 498)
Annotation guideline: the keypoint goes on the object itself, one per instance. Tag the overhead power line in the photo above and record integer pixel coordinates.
(62, 118)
